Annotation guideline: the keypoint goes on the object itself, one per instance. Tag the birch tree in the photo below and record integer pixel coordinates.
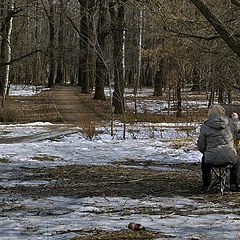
(7, 10)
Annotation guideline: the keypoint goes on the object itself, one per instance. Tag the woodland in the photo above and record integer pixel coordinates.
(166, 45)
(89, 181)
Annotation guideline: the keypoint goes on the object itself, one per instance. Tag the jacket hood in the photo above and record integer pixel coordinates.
(217, 122)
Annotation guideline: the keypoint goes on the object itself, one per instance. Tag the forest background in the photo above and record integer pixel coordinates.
(168, 45)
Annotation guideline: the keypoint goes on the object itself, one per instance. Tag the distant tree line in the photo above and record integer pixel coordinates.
(163, 44)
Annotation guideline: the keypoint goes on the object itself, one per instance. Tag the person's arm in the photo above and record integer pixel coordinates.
(201, 142)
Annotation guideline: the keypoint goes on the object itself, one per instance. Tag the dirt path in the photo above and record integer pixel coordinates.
(70, 108)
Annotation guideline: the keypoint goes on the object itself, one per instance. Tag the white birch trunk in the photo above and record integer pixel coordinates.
(124, 54)
(139, 63)
(9, 51)
(140, 45)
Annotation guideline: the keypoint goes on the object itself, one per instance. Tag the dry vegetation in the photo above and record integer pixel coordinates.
(103, 109)
(24, 109)
(122, 235)
(117, 181)
(41, 108)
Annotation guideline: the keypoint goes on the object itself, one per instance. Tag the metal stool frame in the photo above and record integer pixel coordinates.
(220, 172)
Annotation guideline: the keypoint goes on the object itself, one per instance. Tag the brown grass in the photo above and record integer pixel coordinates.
(103, 109)
(121, 235)
(88, 127)
(41, 108)
(31, 108)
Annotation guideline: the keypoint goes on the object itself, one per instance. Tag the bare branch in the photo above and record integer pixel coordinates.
(21, 57)
(219, 26)
(236, 3)
(189, 35)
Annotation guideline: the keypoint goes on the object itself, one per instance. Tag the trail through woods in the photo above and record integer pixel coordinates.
(73, 113)
(69, 106)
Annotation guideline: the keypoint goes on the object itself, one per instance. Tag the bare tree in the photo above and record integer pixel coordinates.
(117, 18)
(59, 76)
(102, 32)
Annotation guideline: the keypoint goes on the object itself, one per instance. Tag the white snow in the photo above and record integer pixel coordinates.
(56, 218)
(25, 90)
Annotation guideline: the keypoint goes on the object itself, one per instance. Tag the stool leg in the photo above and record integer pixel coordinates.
(222, 184)
(223, 179)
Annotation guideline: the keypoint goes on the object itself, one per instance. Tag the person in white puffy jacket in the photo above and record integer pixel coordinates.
(216, 143)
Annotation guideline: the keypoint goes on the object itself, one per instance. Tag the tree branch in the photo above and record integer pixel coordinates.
(235, 2)
(21, 57)
(189, 35)
(219, 26)
(73, 25)
(10, 15)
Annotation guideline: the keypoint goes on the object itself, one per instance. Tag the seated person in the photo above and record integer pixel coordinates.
(216, 143)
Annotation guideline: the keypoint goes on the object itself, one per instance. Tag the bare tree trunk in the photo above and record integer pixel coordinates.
(118, 20)
(3, 50)
(140, 39)
(83, 80)
(59, 77)
(100, 66)
(158, 80)
(211, 98)
(6, 51)
(229, 95)
(179, 98)
(139, 63)
(195, 79)
(51, 45)
(221, 93)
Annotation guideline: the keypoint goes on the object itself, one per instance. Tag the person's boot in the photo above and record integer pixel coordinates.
(206, 178)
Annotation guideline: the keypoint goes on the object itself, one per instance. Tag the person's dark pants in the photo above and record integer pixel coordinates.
(206, 173)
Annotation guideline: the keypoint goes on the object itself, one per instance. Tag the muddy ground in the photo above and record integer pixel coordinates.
(120, 181)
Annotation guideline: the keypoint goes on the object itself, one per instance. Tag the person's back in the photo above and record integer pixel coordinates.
(216, 142)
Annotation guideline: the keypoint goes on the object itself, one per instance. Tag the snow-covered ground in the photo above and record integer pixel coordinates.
(56, 218)
(25, 90)
(156, 106)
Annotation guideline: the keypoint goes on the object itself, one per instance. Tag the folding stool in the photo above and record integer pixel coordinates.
(220, 174)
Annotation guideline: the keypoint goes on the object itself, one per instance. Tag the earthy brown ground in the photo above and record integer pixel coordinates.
(60, 105)
(115, 181)
(66, 103)
(118, 181)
